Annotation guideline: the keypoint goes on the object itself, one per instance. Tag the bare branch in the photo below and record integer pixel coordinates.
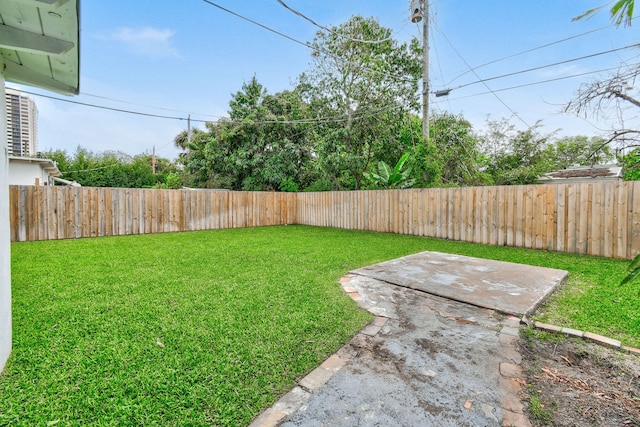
(625, 97)
(596, 96)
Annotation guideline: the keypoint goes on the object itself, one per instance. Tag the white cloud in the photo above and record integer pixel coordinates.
(561, 71)
(147, 41)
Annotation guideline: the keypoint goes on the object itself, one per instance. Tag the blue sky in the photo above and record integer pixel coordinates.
(187, 57)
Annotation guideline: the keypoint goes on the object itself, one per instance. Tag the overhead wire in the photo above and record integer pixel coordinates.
(120, 110)
(528, 70)
(107, 98)
(484, 81)
(324, 120)
(335, 119)
(303, 16)
(90, 170)
(537, 83)
(320, 120)
(237, 15)
(308, 45)
(530, 50)
(493, 91)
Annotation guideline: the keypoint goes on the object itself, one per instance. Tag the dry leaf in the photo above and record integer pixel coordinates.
(567, 360)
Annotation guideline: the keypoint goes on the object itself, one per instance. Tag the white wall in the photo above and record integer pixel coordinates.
(5, 240)
(25, 173)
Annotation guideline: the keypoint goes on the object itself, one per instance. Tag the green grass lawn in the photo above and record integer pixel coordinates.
(207, 328)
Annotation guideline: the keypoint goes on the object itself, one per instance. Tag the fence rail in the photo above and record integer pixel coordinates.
(596, 218)
(593, 218)
(47, 213)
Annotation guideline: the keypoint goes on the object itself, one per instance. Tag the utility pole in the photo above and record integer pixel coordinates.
(189, 128)
(153, 160)
(420, 12)
(425, 70)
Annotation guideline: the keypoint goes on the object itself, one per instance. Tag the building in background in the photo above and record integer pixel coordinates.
(582, 174)
(29, 171)
(22, 124)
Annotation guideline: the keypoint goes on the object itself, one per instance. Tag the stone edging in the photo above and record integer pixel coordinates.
(300, 394)
(598, 339)
(510, 381)
(510, 372)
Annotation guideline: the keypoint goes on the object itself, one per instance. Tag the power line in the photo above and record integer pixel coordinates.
(593, 55)
(148, 106)
(256, 23)
(484, 82)
(308, 45)
(537, 83)
(90, 170)
(529, 51)
(325, 120)
(303, 16)
(311, 121)
(119, 110)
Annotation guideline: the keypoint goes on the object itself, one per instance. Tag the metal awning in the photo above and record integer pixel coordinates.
(39, 43)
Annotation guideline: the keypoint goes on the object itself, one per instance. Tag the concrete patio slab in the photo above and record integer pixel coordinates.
(442, 351)
(506, 287)
(434, 362)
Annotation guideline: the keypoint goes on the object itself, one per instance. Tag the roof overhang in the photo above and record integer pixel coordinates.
(49, 166)
(39, 43)
(583, 174)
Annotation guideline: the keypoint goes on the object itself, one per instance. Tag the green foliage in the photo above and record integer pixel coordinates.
(426, 165)
(459, 159)
(631, 166)
(633, 271)
(398, 177)
(516, 157)
(319, 185)
(581, 151)
(289, 185)
(173, 181)
(111, 169)
(263, 144)
(621, 12)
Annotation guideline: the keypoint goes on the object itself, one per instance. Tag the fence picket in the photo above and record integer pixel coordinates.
(600, 219)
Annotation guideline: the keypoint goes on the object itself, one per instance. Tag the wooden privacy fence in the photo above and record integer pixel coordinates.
(46, 213)
(600, 218)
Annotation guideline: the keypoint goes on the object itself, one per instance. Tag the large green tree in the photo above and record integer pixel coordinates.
(263, 145)
(581, 151)
(361, 85)
(515, 156)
